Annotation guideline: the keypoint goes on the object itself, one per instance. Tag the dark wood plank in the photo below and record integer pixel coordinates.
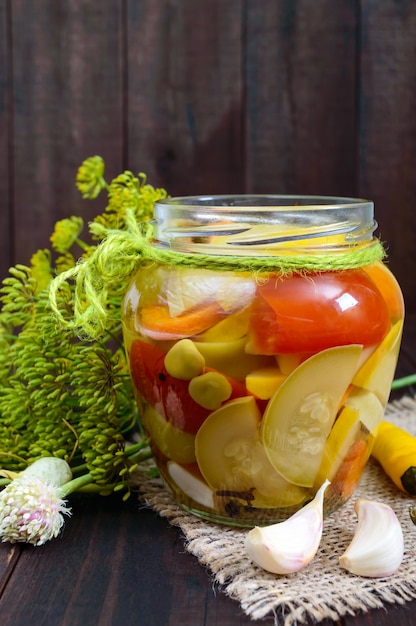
(9, 556)
(403, 615)
(120, 564)
(185, 101)
(68, 104)
(300, 83)
(116, 564)
(387, 129)
(6, 153)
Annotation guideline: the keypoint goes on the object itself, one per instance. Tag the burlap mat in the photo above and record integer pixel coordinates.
(321, 590)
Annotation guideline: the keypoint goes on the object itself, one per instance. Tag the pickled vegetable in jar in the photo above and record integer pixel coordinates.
(263, 334)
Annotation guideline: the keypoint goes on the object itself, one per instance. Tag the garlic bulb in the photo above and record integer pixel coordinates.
(288, 546)
(32, 505)
(377, 547)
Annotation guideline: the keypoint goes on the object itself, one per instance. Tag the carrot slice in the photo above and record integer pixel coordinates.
(349, 473)
(155, 321)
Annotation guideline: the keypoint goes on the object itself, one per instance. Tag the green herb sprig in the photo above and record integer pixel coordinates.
(61, 395)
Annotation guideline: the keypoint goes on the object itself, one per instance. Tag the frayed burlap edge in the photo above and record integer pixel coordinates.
(322, 589)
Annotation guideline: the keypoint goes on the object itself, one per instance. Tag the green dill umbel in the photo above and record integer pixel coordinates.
(61, 395)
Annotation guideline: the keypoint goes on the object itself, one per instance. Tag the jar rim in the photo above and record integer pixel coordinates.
(263, 224)
(263, 202)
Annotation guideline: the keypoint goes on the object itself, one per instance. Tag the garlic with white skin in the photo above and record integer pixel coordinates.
(32, 505)
(289, 546)
(377, 547)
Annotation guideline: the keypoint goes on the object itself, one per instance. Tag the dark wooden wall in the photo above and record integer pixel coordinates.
(208, 96)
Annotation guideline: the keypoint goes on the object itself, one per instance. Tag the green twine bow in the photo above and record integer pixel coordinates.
(101, 279)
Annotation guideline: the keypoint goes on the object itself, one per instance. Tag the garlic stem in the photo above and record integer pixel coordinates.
(288, 546)
(377, 547)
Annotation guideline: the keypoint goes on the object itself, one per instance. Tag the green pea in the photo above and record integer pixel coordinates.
(210, 390)
(184, 361)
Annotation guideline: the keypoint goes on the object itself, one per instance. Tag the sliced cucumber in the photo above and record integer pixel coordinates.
(223, 444)
(233, 461)
(300, 415)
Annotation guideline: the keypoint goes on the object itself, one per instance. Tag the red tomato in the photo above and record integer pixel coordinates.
(309, 313)
(167, 394)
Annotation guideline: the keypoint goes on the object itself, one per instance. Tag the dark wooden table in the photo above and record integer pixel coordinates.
(121, 564)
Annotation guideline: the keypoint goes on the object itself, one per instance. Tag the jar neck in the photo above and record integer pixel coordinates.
(264, 225)
(122, 251)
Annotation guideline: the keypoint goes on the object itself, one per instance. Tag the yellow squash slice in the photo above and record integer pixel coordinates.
(231, 457)
(362, 411)
(232, 327)
(300, 415)
(377, 373)
(264, 382)
(172, 442)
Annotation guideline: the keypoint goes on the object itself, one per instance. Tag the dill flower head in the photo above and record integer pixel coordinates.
(131, 192)
(90, 177)
(31, 511)
(66, 233)
(124, 192)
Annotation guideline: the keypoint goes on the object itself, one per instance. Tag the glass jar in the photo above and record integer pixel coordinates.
(263, 334)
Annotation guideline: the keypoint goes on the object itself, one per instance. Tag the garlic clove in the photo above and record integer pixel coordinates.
(377, 547)
(191, 485)
(288, 546)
